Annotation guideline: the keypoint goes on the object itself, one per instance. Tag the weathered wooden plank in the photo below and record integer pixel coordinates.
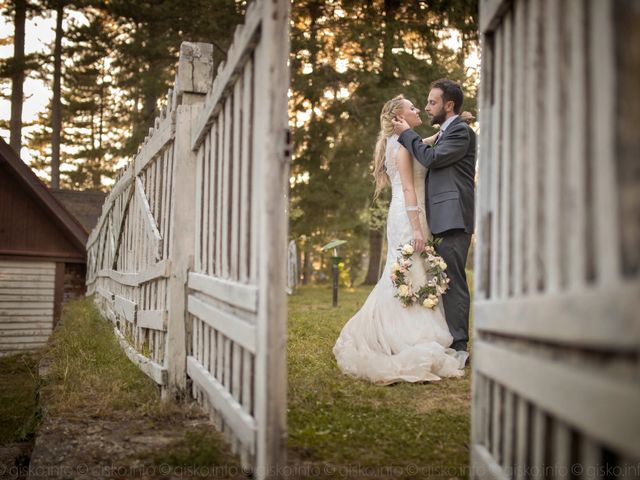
(496, 420)
(29, 312)
(153, 235)
(544, 382)
(125, 308)
(575, 220)
(602, 70)
(26, 285)
(591, 459)
(491, 12)
(561, 449)
(519, 150)
(245, 171)
(522, 442)
(236, 329)
(237, 371)
(206, 193)
(205, 360)
(506, 159)
(213, 192)
(495, 284)
(161, 269)
(150, 368)
(27, 274)
(582, 313)
(242, 424)
(199, 192)
(26, 296)
(485, 466)
(219, 206)
(225, 191)
(538, 445)
(236, 171)
(153, 319)
(21, 323)
(236, 294)
(29, 334)
(533, 114)
(24, 337)
(552, 156)
(6, 305)
(26, 264)
(272, 166)
(247, 381)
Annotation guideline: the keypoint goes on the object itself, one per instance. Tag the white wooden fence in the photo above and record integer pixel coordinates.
(556, 382)
(189, 256)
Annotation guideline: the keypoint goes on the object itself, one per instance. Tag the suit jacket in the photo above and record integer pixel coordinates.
(450, 185)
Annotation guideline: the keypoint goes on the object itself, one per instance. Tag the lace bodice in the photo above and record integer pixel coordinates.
(398, 221)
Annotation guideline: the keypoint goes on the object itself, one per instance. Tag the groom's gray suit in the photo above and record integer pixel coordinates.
(450, 185)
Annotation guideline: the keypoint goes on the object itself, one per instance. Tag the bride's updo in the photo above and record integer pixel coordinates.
(390, 110)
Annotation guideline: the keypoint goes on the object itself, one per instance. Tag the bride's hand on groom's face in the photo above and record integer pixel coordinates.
(467, 117)
(399, 125)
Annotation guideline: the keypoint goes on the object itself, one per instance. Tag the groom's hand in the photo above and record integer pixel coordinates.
(399, 126)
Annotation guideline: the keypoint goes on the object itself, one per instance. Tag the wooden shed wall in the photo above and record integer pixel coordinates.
(26, 228)
(27, 293)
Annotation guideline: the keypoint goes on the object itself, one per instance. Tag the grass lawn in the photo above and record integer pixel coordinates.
(95, 395)
(18, 404)
(420, 429)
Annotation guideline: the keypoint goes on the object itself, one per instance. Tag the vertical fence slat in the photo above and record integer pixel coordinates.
(531, 110)
(495, 279)
(601, 72)
(552, 158)
(507, 159)
(520, 147)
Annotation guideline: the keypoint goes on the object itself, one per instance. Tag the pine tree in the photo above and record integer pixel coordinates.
(348, 58)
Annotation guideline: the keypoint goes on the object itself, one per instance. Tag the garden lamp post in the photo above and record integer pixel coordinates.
(335, 266)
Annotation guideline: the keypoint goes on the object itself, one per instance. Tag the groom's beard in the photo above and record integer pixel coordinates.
(438, 119)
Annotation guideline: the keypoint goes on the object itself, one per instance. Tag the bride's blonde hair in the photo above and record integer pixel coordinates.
(390, 110)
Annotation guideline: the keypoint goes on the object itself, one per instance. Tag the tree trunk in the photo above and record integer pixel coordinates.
(17, 77)
(306, 264)
(56, 114)
(375, 254)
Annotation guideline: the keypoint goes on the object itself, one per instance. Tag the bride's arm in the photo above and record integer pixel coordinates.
(405, 167)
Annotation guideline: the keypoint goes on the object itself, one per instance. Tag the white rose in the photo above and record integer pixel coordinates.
(428, 303)
(395, 267)
(407, 250)
(442, 264)
(403, 291)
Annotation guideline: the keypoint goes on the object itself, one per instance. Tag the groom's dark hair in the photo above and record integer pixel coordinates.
(451, 91)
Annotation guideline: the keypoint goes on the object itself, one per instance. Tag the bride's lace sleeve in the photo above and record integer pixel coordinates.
(405, 168)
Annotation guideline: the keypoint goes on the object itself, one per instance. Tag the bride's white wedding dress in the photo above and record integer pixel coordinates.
(385, 342)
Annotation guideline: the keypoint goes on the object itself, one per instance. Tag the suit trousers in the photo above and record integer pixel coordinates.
(453, 248)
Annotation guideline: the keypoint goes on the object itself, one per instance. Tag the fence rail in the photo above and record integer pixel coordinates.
(189, 256)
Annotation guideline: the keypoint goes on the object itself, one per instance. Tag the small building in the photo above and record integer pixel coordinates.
(42, 256)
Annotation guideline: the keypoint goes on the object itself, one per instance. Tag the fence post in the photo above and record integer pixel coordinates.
(193, 81)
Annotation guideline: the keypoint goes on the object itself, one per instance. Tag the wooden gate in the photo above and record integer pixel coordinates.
(189, 256)
(236, 291)
(556, 379)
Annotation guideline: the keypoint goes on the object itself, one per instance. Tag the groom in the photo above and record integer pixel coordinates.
(451, 161)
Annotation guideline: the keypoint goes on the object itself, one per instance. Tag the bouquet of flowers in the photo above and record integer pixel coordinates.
(427, 294)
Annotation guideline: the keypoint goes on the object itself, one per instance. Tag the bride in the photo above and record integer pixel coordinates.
(385, 342)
